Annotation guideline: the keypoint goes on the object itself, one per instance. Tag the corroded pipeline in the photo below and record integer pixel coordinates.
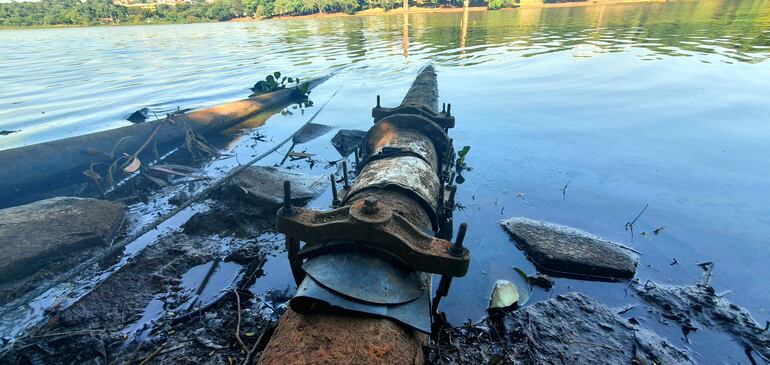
(364, 271)
(424, 91)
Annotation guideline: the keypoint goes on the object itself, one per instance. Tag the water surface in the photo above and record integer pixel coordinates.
(663, 104)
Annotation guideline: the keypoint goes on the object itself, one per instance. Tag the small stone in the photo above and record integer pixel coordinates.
(542, 280)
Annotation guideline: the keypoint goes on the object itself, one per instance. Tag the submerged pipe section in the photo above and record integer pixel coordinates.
(46, 166)
(364, 269)
(424, 91)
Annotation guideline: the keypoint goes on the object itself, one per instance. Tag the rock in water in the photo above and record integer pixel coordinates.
(264, 186)
(564, 251)
(347, 140)
(139, 116)
(44, 233)
(247, 202)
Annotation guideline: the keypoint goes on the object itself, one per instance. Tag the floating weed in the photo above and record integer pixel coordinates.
(564, 190)
(630, 224)
(522, 197)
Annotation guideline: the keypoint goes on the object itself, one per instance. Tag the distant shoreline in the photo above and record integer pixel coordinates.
(425, 10)
(363, 13)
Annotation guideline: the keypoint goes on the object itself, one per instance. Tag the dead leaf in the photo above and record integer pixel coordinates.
(505, 294)
(298, 155)
(522, 274)
(133, 166)
(659, 230)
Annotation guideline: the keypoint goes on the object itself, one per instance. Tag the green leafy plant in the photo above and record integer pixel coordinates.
(275, 82)
(461, 157)
(460, 165)
(499, 4)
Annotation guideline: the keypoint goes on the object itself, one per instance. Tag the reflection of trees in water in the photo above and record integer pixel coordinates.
(738, 30)
(734, 29)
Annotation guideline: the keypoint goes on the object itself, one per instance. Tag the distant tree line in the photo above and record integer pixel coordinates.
(92, 12)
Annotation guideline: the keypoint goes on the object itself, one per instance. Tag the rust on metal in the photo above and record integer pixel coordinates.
(342, 339)
(410, 135)
(385, 230)
(411, 175)
(420, 100)
(401, 200)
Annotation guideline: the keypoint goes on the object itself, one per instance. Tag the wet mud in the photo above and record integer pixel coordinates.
(694, 307)
(177, 295)
(569, 329)
(184, 295)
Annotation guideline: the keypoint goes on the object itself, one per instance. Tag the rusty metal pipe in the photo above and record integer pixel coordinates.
(404, 156)
(424, 91)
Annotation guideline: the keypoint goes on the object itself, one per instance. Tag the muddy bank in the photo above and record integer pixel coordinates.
(181, 297)
(568, 329)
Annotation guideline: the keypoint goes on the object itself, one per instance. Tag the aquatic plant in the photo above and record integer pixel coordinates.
(460, 165)
(274, 82)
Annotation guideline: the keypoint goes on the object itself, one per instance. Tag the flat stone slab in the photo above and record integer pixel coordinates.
(36, 235)
(261, 185)
(565, 251)
(571, 328)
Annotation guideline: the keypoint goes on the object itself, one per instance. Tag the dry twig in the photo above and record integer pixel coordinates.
(238, 323)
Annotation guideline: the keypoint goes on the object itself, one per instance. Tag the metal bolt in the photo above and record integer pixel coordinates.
(443, 107)
(457, 249)
(335, 198)
(287, 208)
(371, 205)
(448, 110)
(358, 158)
(345, 182)
(452, 192)
(378, 101)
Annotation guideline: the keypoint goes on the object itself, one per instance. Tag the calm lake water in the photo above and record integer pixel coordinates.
(666, 104)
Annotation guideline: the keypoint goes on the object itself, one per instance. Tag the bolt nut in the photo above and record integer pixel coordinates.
(371, 205)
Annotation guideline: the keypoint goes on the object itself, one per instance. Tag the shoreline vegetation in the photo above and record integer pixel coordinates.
(76, 13)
